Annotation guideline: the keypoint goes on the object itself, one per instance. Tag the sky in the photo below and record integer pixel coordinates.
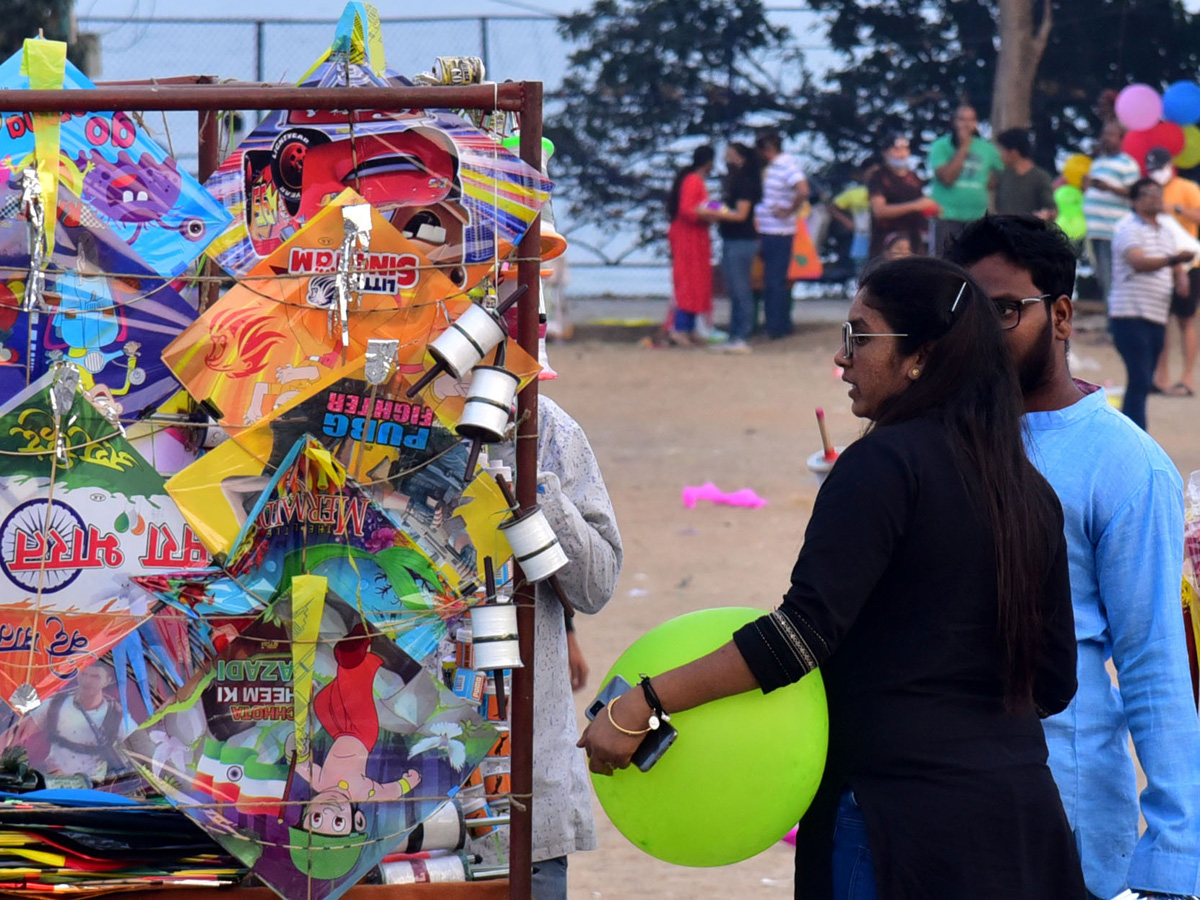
(326, 9)
(517, 50)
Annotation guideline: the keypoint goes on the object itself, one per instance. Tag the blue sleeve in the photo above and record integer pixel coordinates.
(1139, 563)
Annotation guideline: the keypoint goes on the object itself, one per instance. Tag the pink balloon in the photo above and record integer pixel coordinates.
(1139, 107)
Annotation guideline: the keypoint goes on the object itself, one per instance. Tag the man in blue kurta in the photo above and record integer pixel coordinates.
(1122, 501)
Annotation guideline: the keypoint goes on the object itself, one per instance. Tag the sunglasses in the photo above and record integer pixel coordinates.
(850, 339)
(1010, 310)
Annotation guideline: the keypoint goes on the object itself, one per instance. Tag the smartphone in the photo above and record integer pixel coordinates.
(654, 744)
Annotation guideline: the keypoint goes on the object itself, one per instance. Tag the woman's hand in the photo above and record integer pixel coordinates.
(607, 747)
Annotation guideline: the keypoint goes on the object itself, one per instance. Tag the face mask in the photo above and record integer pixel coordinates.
(907, 164)
(1162, 176)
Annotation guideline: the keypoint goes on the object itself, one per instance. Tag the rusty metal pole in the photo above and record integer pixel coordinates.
(520, 862)
(240, 95)
(209, 151)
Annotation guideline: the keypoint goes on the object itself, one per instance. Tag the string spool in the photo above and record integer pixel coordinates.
(435, 870)
(494, 636)
(470, 338)
(446, 829)
(534, 544)
(486, 410)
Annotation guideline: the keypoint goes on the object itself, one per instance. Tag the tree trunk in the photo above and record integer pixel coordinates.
(1021, 49)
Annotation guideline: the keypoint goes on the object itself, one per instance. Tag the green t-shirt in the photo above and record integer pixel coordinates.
(968, 198)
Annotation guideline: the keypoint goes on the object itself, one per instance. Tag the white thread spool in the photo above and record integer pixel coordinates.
(470, 338)
(489, 403)
(534, 544)
(435, 870)
(214, 435)
(494, 637)
(446, 829)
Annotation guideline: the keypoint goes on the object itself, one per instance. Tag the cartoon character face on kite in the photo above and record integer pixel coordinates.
(240, 341)
(334, 824)
(135, 193)
(88, 319)
(410, 176)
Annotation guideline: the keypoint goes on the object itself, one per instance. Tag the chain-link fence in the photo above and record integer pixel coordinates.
(521, 48)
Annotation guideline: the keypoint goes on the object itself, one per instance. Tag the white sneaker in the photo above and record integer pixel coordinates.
(741, 348)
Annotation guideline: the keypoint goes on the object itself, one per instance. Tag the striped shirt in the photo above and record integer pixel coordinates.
(771, 216)
(1104, 209)
(1141, 295)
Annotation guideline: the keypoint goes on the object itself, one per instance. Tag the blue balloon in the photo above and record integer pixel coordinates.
(1181, 103)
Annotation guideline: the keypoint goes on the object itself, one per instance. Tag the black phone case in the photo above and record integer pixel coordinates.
(654, 744)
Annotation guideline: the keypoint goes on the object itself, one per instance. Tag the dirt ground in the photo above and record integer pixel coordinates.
(663, 419)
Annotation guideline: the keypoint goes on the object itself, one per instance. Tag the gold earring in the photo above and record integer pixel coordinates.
(915, 373)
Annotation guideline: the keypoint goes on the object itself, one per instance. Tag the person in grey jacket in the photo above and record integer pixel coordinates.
(572, 494)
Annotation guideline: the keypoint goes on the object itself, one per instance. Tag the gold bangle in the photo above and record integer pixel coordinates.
(608, 709)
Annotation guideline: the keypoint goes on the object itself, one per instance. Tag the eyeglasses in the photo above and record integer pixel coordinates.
(851, 339)
(1010, 310)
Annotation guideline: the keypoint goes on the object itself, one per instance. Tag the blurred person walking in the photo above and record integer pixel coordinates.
(1181, 198)
(1147, 266)
(741, 191)
(1023, 189)
(898, 202)
(1106, 200)
(691, 248)
(784, 193)
(965, 170)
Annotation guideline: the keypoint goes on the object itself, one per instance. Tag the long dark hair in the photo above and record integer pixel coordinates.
(701, 157)
(749, 171)
(969, 383)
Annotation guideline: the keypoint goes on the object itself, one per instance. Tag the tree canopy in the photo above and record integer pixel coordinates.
(647, 76)
(21, 19)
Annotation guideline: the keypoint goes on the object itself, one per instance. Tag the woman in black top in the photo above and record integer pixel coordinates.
(932, 591)
(742, 189)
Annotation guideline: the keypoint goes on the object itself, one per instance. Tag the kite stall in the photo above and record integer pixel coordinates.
(261, 618)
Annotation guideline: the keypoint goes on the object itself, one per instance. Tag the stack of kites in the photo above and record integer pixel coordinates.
(240, 546)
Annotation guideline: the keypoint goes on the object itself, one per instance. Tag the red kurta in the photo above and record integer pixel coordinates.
(691, 249)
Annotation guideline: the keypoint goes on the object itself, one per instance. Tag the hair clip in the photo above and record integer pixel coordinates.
(954, 305)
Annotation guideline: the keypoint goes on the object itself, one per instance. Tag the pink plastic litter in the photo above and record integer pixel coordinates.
(709, 491)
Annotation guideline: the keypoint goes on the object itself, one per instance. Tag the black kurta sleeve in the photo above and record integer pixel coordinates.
(1055, 682)
(861, 513)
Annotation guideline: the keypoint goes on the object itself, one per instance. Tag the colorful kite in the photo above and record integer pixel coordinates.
(119, 181)
(113, 328)
(411, 567)
(279, 331)
(450, 188)
(304, 747)
(80, 512)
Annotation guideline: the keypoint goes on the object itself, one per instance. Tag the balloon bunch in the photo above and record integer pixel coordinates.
(1168, 120)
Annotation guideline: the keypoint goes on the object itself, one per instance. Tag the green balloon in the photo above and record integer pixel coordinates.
(743, 769)
(1069, 201)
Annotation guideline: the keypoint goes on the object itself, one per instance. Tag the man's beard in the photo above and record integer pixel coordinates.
(1035, 369)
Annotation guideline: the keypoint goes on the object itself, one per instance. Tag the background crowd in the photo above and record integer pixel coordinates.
(1134, 220)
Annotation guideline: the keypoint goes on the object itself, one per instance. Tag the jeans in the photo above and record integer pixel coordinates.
(1139, 341)
(685, 322)
(853, 866)
(777, 290)
(1099, 251)
(549, 881)
(736, 259)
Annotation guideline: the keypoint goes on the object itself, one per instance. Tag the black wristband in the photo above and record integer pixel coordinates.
(652, 699)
